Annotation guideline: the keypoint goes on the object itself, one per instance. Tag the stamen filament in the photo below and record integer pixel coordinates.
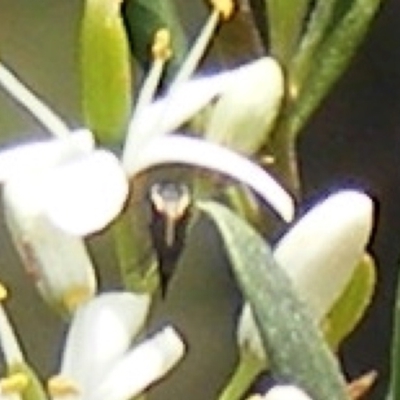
(8, 339)
(222, 10)
(197, 51)
(161, 51)
(26, 98)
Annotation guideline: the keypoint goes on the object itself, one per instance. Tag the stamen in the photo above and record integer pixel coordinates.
(162, 52)
(222, 10)
(25, 97)
(161, 48)
(8, 339)
(224, 7)
(75, 297)
(59, 386)
(14, 383)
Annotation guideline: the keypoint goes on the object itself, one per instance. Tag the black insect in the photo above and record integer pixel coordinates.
(170, 203)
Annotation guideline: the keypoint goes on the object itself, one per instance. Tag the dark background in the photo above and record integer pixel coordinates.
(353, 140)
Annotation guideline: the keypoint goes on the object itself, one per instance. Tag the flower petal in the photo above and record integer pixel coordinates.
(322, 249)
(100, 334)
(83, 196)
(286, 392)
(57, 261)
(145, 364)
(196, 152)
(34, 157)
(166, 115)
(319, 253)
(242, 117)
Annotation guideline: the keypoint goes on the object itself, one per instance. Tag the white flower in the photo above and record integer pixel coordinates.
(285, 392)
(59, 191)
(319, 254)
(99, 361)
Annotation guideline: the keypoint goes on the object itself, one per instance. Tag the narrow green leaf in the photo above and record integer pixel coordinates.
(394, 386)
(320, 19)
(285, 23)
(106, 71)
(330, 62)
(143, 19)
(294, 345)
(352, 305)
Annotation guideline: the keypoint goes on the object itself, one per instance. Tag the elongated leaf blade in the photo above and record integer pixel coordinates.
(294, 345)
(105, 71)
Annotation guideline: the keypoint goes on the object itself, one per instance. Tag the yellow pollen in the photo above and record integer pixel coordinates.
(61, 386)
(224, 7)
(75, 297)
(14, 383)
(161, 48)
(3, 292)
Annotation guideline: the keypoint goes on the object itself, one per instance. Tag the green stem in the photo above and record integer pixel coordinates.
(246, 371)
(136, 263)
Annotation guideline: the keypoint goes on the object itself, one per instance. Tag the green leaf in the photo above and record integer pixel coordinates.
(394, 386)
(106, 71)
(350, 308)
(320, 19)
(329, 62)
(295, 348)
(285, 23)
(143, 19)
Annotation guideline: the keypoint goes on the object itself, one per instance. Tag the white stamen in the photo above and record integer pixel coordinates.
(32, 103)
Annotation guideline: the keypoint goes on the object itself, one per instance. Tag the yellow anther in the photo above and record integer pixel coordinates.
(224, 7)
(3, 292)
(75, 297)
(14, 383)
(161, 48)
(61, 386)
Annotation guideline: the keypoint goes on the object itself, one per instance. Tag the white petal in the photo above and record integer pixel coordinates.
(322, 249)
(101, 333)
(166, 115)
(185, 150)
(57, 261)
(286, 392)
(142, 366)
(84, 196)
(245, 112)
(319, 254)
(248, 336)
(37, 156)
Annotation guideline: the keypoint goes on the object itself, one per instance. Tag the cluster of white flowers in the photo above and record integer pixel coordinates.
(60, 190)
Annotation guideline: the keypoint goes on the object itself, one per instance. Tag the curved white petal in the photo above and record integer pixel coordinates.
(57, 261)
(84, 196)
(196, 152)
(37, 156)
(100, 334)
(286, 392)
(322, 249)
(142, 366)
(319, 254)
(243, 115)
(168, 114)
